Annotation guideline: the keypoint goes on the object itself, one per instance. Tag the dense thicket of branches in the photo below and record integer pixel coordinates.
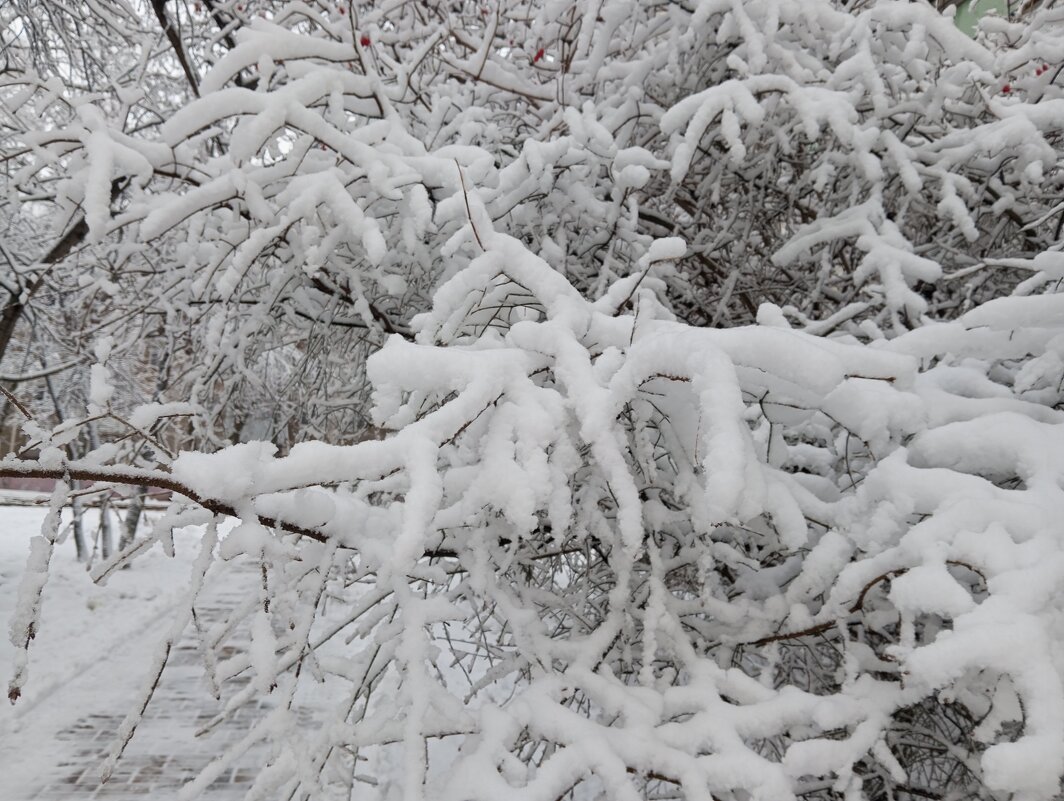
(664, 395)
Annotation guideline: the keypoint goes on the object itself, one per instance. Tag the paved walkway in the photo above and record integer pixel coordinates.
(164, 753)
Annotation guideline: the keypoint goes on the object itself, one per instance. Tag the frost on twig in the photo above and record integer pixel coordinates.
(26, 619)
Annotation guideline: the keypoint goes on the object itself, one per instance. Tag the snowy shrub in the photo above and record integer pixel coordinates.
(850, 164)
(598, 551)
(603, 549)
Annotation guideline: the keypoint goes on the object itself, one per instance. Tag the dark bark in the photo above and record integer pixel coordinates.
(12, 313)
(133, 515)
(159, 7)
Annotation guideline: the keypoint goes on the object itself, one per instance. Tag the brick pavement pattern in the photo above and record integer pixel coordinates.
(164, 753)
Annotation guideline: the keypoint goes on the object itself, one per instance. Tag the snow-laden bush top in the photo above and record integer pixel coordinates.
(606, 549)
(304, 193)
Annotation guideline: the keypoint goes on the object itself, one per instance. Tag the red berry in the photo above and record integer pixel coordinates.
(364, 41)
(341, 10)
(538, 56)
(1006, 88)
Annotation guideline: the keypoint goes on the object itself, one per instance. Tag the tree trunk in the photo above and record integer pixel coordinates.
(133, 513)
(80, 544)
(107, 536)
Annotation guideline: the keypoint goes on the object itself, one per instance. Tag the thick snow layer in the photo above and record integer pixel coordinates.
(593, 549)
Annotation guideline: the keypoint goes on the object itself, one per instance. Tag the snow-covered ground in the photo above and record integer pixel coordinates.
(92, 650)
(89, 664)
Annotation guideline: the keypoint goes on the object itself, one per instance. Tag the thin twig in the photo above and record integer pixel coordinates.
(16, 402)
(469, 211)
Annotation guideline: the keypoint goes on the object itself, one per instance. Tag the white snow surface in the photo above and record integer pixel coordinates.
(89, 652)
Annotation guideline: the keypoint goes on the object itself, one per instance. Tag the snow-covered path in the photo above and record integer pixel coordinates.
(87, 665)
